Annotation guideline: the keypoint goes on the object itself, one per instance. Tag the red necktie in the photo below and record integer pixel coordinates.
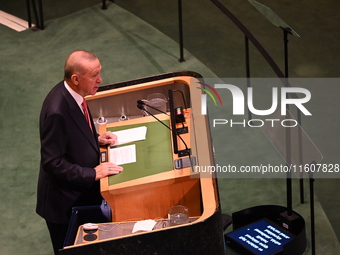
(86, 113)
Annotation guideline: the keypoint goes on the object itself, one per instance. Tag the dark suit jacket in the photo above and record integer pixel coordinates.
(69, 153)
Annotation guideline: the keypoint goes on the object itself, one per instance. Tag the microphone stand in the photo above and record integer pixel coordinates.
(141, 102)
(182, 130)
(286, 31)
(312, 214)
(187, 152)
(141, 107)
(312, 211)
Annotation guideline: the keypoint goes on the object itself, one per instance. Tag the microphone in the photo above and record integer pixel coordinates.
(186, 151)
(180, 162)
(182, 130)
(141, 102)
(141, 107)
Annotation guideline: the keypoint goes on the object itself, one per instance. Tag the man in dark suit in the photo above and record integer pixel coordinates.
(70, 167)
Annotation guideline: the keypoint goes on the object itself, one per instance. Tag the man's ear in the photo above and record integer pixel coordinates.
(75, 79)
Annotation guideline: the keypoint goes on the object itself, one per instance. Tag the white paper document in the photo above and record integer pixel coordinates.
(123, 155)
(131, 135)
(143, 225)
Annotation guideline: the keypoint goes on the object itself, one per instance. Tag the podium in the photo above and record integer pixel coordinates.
(151, 185)
(155, 182)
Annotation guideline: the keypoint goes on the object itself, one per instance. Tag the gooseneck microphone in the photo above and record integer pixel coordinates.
(141, 107)
(141, 102)
(180, 162)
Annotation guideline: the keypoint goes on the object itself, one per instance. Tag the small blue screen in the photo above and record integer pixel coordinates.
(261, 238)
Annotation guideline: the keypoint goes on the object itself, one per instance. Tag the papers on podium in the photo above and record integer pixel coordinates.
(130, 135)
(127, 154)
(143, 225)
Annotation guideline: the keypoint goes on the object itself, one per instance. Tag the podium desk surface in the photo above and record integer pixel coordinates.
(114, 230)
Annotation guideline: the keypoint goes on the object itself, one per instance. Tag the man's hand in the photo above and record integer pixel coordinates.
(107, 138)
(106, 169)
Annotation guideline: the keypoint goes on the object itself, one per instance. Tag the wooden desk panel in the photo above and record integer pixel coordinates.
(150, 197)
